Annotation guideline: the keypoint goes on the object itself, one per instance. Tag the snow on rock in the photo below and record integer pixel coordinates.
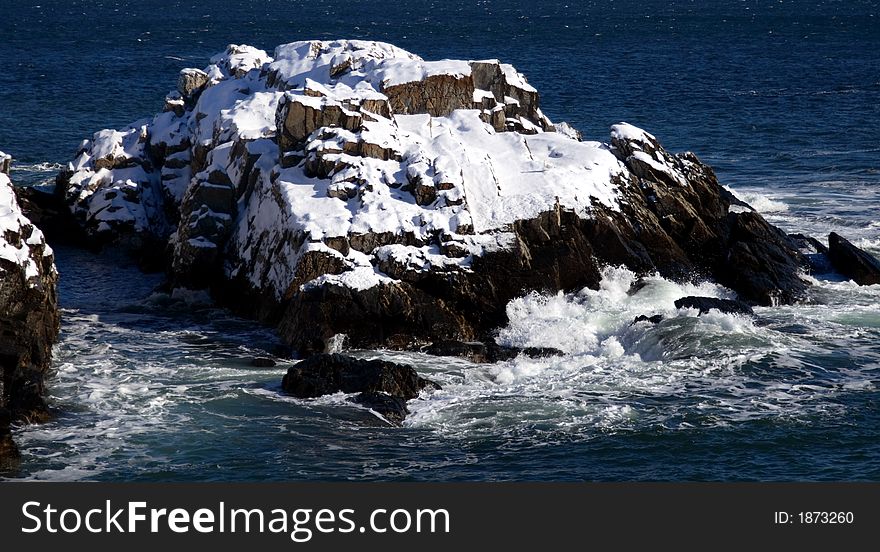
(238, 60)
(5, 163)
(349, 144)
(646, 155)
(112, 186)
(23, 248)
(29, 317)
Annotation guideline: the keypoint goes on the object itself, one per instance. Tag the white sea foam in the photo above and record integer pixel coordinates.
(583, 323)
(870, 244)
(760, 201)
(37, 167)
(687, 371)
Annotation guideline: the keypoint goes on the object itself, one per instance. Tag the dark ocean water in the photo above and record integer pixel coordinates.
(781, 97)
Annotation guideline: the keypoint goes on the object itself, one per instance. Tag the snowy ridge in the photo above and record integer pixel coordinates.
(350, 152)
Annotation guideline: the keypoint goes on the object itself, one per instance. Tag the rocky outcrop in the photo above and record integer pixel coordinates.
(29, 316)
(852, 262)
(382, 386)
(352, 192)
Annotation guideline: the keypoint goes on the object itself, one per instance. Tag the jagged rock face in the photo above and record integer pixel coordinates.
(29, 316)
(683, 217)
(353, 188)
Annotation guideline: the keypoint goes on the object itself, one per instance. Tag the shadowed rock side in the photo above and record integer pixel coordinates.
(352, 191)
(29, 316)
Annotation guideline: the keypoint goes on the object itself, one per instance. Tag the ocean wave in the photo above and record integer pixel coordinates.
(760, 201)
(37, 167)
(871, 244)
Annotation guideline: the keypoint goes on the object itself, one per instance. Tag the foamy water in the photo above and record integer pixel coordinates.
(687, 371)
(154, 387)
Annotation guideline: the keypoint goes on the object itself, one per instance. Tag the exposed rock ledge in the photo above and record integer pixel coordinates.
(28, 313)
(352, 192)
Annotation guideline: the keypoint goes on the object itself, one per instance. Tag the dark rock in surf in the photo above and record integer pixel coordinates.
(637, 286)
(852, 262)
(486, 352)
(761, 263)
(325, 374)
(473, 351)
(655, 319)
(705, 304)
(809, 244)
(540, 352)
(262, 362)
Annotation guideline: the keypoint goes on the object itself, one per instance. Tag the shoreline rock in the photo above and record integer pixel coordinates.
(29, 316)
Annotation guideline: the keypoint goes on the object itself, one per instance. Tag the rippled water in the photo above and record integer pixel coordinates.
(783, 98)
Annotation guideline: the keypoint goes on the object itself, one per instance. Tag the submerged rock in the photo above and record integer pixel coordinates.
(29, 317)
(852, 262)
(705, 304)
(353, 188)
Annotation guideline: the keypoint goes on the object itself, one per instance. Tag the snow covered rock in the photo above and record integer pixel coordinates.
(28, 311)
(353, 188)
